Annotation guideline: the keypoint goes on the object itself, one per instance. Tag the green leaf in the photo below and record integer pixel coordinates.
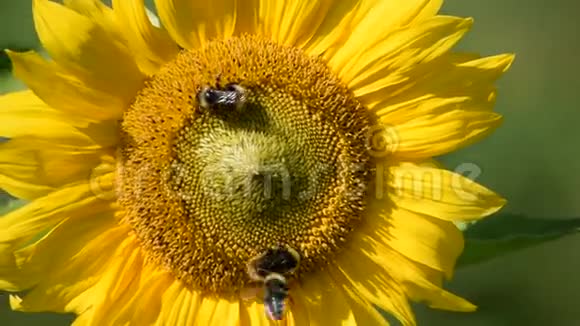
(504, 233)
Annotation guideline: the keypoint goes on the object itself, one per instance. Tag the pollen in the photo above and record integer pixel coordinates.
(205, 189)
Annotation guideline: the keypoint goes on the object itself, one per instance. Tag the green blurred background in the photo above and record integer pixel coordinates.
(533, 160)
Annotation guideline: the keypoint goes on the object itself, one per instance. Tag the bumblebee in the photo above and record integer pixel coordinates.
(231, 96)
(271, 268)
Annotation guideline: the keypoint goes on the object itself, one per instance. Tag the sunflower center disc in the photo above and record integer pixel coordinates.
(206, 189)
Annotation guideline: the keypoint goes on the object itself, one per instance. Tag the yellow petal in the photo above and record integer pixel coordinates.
(22, 268)
(430, 8)
(379, 20)
(247, 16)
(292, 22)
(344, 16)
(48, 253)
(86, 51)
(119, 283)
(488, 68)
(151, 45)
(298, 313)
(364, 312)
(442, 131)
(83, 319)
(252, 313)
(141, 307)
(206, 311)
(226, 313)
(95, 9)
(22, 189)
(421, 238)
(69, 282)
(180, 305)
(26, 116)
(415, 108)
(193, 23)
(31, 169)
(27, 105)
(336, 27)
(172, 299)
(462, 77)
(98, 12)
(20, 226)
(318, 292)
(145, 306)
(389, 61)
(176, 303)
(468, 75)
(420, 289)
(366, 279)
(440, 193)
(65, 92)
(422, 283)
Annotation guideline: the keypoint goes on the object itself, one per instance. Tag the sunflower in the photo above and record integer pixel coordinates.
(162, 160)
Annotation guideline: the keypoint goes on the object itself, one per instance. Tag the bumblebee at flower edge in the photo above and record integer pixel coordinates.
(270, 268)
(239, 143)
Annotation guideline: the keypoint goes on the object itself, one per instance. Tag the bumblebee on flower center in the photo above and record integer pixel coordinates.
(236, 147)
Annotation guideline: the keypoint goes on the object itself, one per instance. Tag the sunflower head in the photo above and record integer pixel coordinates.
(283, 146)
(289, 166)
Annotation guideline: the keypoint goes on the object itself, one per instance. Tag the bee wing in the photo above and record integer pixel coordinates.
(251, 293)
